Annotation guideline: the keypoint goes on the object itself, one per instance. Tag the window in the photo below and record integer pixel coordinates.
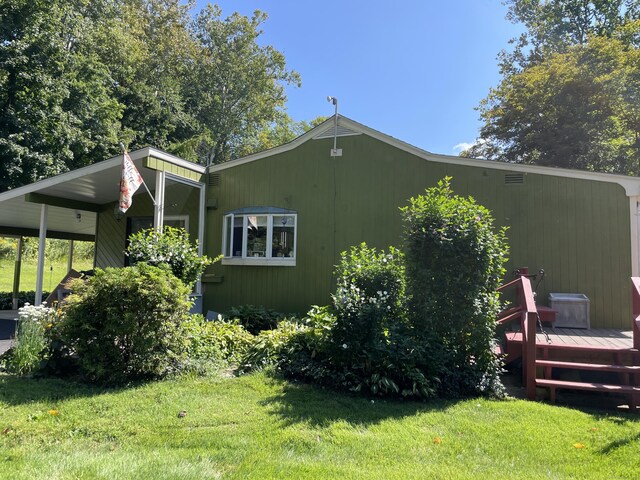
(260, 236)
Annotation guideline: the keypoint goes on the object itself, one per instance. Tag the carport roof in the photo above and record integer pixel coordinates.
(85, 191)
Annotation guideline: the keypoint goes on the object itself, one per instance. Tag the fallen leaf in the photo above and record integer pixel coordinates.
(578, 445)
(6, 430)
(437, 440)
(54, 412)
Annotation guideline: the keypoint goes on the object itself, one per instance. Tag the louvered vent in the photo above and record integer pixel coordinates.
(342, 132)
(213, 180)
(513, 178)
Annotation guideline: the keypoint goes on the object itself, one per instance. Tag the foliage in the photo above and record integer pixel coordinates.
(369, 296)
(170, 247)
(218, 340)
(27, 351)
(454, 264)
(125, 324)
(235, 85)
(255, 318)
(269, 346)
(569, 93)
(77, 77)
(24, 298)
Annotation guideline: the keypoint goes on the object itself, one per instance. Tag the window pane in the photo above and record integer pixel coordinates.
(256, 235)
(227, 235)
(283, 236)
(237, 236)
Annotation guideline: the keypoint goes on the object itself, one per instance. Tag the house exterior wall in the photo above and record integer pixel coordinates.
(577, 230)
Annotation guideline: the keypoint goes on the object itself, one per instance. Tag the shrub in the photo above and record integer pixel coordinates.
(255, 319)
(268, 346)
(30, 343)
(454, 263)
(219, 340)
(24, 297)
(125, 324)
(171, 247)
(369, 297)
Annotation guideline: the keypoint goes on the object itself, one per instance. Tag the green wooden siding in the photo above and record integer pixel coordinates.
(111, 233)
(165, 166)
(577, 230)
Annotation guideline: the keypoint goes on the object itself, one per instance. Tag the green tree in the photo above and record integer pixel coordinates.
(569, 93)
(236, 84)
(56, 112)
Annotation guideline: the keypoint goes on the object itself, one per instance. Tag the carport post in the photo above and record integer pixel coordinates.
(41, 245)
(70, 259)
(16, 275)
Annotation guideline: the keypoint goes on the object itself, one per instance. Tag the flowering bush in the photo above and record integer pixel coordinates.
(171, 247)
(31, 339)
(369, 295)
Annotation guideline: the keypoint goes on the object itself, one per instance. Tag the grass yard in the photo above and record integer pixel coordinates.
(257, 427)
(53, 273)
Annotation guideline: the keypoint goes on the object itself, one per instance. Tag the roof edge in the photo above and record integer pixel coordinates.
(631, 185)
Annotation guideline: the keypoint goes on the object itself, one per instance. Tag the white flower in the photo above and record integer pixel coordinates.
(344, 345)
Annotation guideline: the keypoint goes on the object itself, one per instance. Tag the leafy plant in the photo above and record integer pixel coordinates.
(125, 324)
(454, 263)
(220, 339)
(30, 343)
(170, 247)
(255, 319)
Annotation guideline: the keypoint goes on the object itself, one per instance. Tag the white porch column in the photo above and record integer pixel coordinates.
(41, 247)
(16, 274)
(70, 259)
(158, 210)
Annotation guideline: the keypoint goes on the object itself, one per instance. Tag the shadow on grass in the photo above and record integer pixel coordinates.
(22, 390)
(304, 403)
(611, 446)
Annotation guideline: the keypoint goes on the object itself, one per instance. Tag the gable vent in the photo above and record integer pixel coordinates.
(513, 178)
(213, 180)
(342, 132)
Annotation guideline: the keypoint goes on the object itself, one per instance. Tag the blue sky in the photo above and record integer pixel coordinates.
(411, 69)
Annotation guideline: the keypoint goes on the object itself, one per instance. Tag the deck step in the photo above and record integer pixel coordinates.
(589, 366)
(552, 385)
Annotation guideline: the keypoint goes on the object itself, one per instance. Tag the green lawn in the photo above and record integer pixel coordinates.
(256, 427)
(54, 272)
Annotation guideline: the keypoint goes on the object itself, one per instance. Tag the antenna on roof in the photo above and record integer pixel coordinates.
(335, 151)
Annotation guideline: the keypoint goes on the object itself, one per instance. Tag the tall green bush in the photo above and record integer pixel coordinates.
(454, 264)
(170, 247)
(125, 324)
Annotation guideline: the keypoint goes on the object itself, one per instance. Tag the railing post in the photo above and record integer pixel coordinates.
(635, 311)
(530, 358)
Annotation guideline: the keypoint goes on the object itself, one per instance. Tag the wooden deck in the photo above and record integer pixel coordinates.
(596, 337)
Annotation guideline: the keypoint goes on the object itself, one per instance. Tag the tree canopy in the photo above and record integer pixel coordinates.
(570, 91)
(77, 77)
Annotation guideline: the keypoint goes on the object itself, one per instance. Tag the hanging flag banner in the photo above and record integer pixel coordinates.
(129, 183)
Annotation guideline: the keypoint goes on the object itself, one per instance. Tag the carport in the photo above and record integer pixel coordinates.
(69, 206)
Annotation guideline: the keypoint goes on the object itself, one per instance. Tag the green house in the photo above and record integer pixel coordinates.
(580, 227)
(281, 217)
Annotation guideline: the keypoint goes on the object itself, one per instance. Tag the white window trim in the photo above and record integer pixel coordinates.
(268, 260)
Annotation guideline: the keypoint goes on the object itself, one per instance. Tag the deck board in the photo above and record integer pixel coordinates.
(604, 337)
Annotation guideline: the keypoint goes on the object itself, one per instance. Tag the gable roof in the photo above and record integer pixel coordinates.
(346, 126)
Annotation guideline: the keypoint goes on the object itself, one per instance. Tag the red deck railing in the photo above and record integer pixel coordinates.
(635, 318)
(526, 311)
